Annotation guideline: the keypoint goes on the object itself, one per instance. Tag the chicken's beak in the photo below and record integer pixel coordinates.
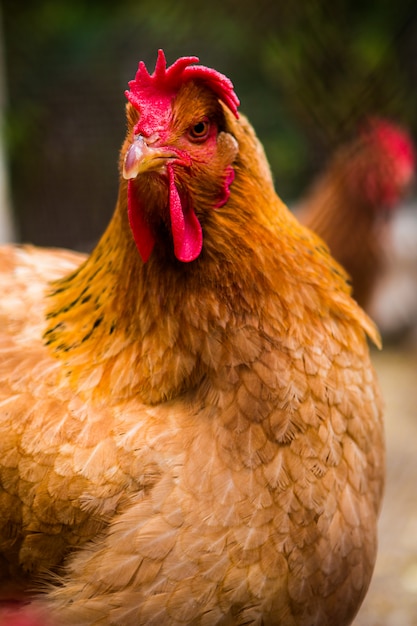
(143, 157)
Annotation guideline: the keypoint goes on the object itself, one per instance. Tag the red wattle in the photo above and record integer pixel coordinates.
(141, 231)
(230, 176)
(186, 229)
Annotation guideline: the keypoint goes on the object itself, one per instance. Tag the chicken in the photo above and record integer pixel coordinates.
(190, 424)
(352, 202)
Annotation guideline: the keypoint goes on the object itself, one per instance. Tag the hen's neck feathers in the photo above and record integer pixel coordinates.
(155, 330)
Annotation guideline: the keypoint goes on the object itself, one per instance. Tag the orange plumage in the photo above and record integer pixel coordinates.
(188, 440)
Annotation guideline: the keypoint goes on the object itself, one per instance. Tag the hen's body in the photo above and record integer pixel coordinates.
(202, 441)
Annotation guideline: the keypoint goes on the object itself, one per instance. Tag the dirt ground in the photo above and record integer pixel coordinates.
(392, 597)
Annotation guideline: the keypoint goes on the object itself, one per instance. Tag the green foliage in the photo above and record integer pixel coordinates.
(305, 71)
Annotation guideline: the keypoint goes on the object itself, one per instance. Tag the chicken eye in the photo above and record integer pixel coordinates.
(200, 130)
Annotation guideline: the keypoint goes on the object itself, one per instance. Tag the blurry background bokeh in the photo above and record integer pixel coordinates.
(306, 72)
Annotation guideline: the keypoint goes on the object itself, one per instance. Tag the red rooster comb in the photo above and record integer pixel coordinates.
(390, 137)
(161, 86)
(391, 168)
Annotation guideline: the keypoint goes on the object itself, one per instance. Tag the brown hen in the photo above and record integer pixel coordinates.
(190, 425)
(352, 202)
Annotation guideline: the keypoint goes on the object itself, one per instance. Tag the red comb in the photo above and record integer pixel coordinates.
(393, 139)
(390, 170)
(163, 84)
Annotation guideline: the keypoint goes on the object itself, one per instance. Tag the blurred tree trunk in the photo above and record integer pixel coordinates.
(7, 230)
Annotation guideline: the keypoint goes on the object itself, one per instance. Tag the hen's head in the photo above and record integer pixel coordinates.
(178, 156)
(382, 163)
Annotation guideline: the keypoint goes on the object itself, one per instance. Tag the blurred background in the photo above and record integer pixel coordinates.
(305, 71)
